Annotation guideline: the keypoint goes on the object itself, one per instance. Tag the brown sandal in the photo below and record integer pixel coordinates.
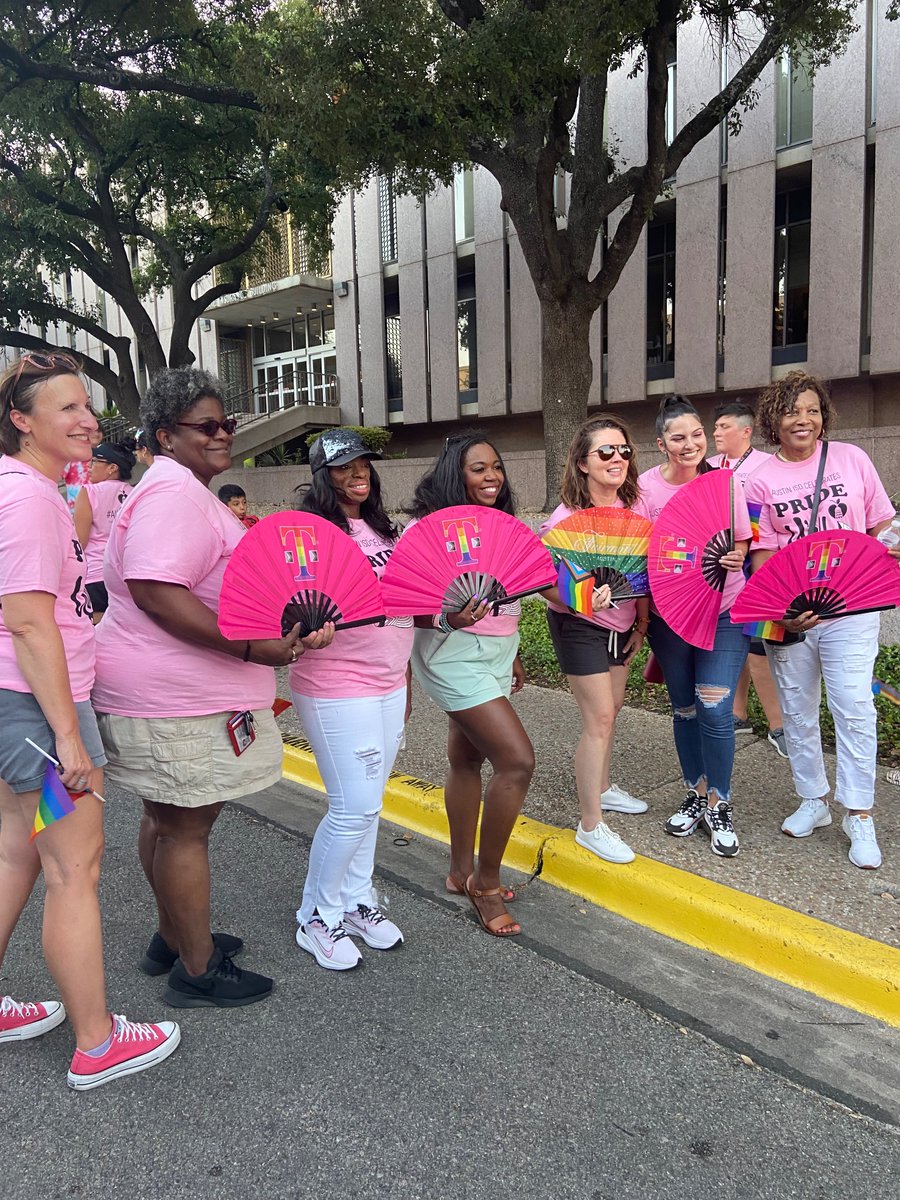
(457, 887)
(509, 928)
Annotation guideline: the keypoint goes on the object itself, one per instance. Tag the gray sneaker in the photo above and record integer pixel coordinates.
(776, 739)
(742, 726)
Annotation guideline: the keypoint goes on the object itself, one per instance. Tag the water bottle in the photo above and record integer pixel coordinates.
(890, 537)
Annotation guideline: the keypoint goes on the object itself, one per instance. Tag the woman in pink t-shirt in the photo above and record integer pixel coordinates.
(594, 652)
(96, 507)
(468, 663)
(701, 683)
(46, 671)
(192, 725)
(795, 414)
(353, 700)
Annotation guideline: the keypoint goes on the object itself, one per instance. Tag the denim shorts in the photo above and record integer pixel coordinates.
(21, 767)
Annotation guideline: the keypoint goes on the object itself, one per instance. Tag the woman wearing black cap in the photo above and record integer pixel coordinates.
(96, 508)
(353, 702)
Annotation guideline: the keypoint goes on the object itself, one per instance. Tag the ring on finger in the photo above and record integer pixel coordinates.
(294, 654)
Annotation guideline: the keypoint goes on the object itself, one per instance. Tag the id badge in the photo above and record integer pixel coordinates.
(241, 731)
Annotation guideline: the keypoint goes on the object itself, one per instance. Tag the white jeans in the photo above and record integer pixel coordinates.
(842, 652)
(355, 742)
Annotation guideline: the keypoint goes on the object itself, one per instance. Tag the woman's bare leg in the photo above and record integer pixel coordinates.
(596, 704)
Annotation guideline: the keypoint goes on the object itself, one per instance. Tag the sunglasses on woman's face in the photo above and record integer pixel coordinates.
(607, 453)
(211, 427)
(45, 362)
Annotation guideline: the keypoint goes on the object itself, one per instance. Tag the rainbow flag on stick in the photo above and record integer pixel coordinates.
(885, 689)
(770, 631)
(576, 589)
(54, 804)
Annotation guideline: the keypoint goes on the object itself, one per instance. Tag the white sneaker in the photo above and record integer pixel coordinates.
(604, 842)
(864, 852)
(373, 927)
(616, 799)
(332, 949)
(810, 816)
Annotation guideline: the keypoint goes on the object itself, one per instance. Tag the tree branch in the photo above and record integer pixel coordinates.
(462, 13)
(124, 81)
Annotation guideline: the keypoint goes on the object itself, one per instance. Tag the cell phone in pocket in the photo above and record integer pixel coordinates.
(241, 731)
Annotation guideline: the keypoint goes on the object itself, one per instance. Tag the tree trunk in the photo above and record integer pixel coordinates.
(566, 380)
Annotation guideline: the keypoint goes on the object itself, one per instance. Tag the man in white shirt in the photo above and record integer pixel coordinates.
(733, 434)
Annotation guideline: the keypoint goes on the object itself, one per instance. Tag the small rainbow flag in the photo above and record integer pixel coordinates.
(576, 590)
(754, 510)
(55, 802)
(769, 631)
(885, 689)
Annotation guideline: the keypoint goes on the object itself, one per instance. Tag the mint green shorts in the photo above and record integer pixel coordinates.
(461, 670)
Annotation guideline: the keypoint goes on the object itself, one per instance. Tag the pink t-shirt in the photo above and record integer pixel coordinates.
(368, 661)
(39, 552)
(505, 623)
(620, 619)
(105, 499)
(754, 460)
(655, 495)
(172, 530)
(779, 496)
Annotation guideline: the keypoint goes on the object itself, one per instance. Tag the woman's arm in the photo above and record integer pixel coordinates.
(30, 619)
(180, 613)
(84, 517)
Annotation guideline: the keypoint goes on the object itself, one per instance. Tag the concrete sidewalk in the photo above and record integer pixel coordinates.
(812, 876)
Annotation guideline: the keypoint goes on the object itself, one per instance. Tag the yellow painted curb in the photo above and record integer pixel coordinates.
(833, 963)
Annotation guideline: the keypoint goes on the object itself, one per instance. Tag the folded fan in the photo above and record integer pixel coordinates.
(296, 567)
(833, 573)
(461, 553)
(611, 542)
(689, 537)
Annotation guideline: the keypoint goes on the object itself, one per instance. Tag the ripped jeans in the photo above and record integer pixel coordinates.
(355, 742)
(701, 687)
(843, 653)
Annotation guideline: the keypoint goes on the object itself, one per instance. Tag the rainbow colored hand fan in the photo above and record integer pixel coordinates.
(296, 566)
(611, 542)
(834, 573)
(576, 589)
(456, 554)
(689, 537)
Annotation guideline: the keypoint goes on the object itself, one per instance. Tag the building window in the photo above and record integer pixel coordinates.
(464, 205)
(671, 93)
(873, 16)
(394, 354)
(793, 102)
(790, 317)
(387, 218)
(660, 298)
(723, 252)
(466, 335)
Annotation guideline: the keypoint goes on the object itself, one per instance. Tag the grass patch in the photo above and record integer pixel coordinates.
(541, 666)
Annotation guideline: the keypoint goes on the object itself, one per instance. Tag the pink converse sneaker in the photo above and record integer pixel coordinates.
(18, 1022)
(134, 1047)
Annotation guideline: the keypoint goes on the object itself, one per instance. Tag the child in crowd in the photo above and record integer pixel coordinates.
(236, 499)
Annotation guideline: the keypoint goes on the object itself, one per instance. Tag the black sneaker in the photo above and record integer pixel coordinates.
(690, 813)
(160, 957)
(718, 824)
(222, 985)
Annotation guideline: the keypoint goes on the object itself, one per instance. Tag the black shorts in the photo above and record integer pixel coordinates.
(758, 647)
(583, 648)
(99, 596)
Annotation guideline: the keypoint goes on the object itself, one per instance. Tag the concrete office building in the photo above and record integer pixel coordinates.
(773, 249)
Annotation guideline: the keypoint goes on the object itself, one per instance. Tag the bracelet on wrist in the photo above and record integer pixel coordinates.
(444, 623)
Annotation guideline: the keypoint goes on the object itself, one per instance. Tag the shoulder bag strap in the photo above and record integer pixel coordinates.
(814, 511)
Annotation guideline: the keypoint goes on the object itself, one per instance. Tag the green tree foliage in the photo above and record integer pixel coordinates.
(141, 191)
(417, 87)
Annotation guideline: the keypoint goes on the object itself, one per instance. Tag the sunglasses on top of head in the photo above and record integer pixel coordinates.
(211, 427)
(607, 453)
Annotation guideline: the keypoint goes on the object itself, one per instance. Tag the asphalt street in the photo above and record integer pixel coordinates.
(457, 1066)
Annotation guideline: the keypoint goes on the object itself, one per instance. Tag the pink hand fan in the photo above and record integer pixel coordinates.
(689, 537)
(833, 573)
(458, 553)
(296, 566)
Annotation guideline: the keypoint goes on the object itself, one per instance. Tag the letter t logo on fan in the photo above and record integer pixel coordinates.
(676, 557)
(299, 543)
(461, 534)
(824, 557)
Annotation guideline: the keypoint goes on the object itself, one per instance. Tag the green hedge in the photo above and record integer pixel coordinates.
(542, 668)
